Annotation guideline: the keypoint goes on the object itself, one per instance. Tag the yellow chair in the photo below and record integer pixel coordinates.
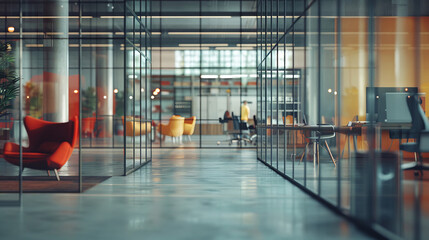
(174, 128)
(136, 128)
(189, 126)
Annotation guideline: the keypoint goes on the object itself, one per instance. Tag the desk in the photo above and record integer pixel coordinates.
(325, 129)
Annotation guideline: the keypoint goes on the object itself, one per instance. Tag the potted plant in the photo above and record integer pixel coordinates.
(9, 87)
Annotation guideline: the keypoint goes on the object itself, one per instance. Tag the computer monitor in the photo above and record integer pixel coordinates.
(396, 108)
(377, 96)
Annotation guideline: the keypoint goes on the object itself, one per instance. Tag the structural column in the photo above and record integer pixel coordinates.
(56, 61)
(104, 85)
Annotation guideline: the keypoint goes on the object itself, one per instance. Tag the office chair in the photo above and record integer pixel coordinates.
(253, 131)
(419, 130)
(317, 138)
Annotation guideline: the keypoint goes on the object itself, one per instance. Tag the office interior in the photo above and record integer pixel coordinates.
(334, 102)
(336, 90)
(85, 63)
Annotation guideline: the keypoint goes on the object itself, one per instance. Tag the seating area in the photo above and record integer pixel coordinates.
(177, 127)
(135, 126)
(50, 145)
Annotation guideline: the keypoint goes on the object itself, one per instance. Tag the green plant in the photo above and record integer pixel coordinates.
(89, 101)
(9, 87)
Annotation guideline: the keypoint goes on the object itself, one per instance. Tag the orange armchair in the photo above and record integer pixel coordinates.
(136, 128)
(174, 128)
(189, 126)
(88, 125)
(51, 145)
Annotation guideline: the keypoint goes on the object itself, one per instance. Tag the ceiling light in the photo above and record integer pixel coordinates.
(203, 45)
(212, 33)
(209, 76)
(11, 29)
(234, 48)
(190, 17)
(233, 76)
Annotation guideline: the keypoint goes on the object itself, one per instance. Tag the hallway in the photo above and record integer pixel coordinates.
(182, 194)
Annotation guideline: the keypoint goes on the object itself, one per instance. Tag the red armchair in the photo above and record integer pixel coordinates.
(51, 145)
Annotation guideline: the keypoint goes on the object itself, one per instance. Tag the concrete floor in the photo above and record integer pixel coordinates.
(182, 194)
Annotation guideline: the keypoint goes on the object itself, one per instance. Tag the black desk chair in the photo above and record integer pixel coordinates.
(419, 130)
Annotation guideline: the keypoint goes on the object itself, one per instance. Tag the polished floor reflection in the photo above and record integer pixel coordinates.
(182, 194)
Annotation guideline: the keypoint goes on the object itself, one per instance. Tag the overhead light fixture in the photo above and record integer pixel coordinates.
(291, 76)
(203, 45)
(11, 29)
(180, 48)
(190, 17)
(212, 33)
(42, 17)
(115, 90)
(234, 48)
(111, 16)
(209, 76)
(233, 76)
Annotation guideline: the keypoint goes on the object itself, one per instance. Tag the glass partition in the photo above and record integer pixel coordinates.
(10, 102)
(337, 83)
(82, 113)
(204, 67)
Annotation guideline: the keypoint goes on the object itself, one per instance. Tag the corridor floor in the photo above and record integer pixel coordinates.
(183, 194)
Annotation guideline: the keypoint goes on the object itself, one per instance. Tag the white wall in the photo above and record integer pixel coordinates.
(213, 107)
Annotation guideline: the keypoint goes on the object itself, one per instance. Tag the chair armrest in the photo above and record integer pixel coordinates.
(57, 159)
(10, 147)
(424, 141)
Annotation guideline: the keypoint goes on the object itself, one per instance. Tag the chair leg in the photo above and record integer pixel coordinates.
(314, 153)
(303, 154)
(318, 152)
(57, 175)
(49, 173)
(330, 153)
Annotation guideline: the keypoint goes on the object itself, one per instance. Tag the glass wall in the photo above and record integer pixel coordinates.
(204, 67)
(82, 113)
(336, 84)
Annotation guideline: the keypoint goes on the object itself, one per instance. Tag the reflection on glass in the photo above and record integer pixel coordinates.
(344, 124)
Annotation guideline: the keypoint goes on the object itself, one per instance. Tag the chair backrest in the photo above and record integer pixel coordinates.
(190, 122)
(419, 120)
(40, 131)
(236, 122)
(176, 125)
(255, 120)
